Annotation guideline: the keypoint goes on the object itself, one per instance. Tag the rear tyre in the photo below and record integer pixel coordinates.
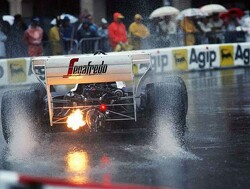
(167, 104)
(40, 89)
(21, 110)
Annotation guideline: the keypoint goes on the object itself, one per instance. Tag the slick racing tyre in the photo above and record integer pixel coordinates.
(38, 87)
(167, 103)
(21, 110)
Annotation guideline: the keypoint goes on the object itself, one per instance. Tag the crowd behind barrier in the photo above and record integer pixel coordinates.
(91, 45)
(171, 45)
(84, 36)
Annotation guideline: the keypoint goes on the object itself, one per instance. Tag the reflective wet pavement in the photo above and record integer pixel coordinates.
(217, 153)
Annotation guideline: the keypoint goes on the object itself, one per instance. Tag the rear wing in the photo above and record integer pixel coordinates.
(75, 69)
(63, 70)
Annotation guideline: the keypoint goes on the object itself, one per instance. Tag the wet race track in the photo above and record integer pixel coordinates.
(217, 153)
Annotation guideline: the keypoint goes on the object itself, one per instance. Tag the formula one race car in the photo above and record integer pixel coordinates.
(106, 93)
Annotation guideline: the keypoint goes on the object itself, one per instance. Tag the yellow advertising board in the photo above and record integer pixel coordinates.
(180, 59)
(17, 70)
(226, 55)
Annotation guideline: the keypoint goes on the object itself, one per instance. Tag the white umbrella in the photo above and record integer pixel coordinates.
(9, 19)
(213, 8)
(72, 19)
(191, 12)
(164, 11)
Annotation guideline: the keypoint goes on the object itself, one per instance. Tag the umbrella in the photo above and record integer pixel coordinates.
(72, 19)
(191, 12)
(236, 11)
(9, 19)
(213, 8)
(164, 11)
(232, 11)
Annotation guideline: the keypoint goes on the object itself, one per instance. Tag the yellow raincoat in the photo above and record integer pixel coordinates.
(137, 32)
(55, 41)
(189, 29)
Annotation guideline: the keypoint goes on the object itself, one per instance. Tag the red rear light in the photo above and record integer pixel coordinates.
(103, 107)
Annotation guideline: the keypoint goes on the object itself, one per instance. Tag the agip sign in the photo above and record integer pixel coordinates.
(203, 57)
(242, 54)
(199, 57)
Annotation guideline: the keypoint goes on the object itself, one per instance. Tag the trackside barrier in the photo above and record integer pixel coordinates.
(89, 45)
(16, 71)
(62, 47)
(199, 57)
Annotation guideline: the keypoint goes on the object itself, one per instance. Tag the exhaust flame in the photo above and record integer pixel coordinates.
(75, 120)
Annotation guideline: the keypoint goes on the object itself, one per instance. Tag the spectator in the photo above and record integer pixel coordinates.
(246, 28)
(167, 26)
(103, 33)
(15, 46)
(137, 32)
(92, 25)
(85, 31)
(189, 29)
(3, 38)
(67, 31)
(86, 46)
(33, 38)
(55, 38)
(81, 17)
(155, 31)
(205, 28)
(232, 24)
(118, 34)
(217, 28)
(179, 33)
(168, 30)
(154, 26)
(5, 26)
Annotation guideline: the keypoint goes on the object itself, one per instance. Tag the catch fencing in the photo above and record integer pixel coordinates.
(83, 46)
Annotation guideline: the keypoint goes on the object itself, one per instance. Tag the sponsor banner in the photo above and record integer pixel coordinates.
(180, 59)
(3, 74)
(17, 72)
(242, 54)
(88, 69)
(226, 55)
(161, 60)
(203, 57)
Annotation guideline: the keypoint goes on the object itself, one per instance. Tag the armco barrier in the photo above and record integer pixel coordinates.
(16, 72)
(200, 57)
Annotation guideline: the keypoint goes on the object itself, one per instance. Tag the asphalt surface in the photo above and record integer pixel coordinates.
(216, 154)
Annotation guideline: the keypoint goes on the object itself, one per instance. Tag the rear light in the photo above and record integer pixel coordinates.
(103, 107)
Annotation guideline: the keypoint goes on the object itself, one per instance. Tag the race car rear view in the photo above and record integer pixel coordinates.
(107, 93)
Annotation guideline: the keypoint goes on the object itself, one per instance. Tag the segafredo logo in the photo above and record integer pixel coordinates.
(89, 69)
